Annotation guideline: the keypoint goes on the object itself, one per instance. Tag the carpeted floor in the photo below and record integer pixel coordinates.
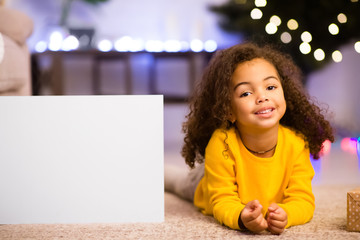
(184, 221)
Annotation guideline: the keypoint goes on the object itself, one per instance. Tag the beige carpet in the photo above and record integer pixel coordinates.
(183, 221)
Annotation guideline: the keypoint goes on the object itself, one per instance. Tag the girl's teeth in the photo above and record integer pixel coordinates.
(266, 111)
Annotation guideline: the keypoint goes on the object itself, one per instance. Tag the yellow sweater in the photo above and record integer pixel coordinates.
(235, 177)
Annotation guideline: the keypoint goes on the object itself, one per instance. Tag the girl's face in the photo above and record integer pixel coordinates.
(258, 101)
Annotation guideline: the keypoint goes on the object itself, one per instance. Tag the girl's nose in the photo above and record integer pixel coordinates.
(262, 99)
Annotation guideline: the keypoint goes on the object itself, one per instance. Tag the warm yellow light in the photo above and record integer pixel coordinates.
(275, 20)
(319, 54)
(357, 46)
(337, 56)
(256, 13)
(333, 29)
(292, 24)
(260, 3)
(306, 37)
(285, 37)
(342, 18)
(305, 48)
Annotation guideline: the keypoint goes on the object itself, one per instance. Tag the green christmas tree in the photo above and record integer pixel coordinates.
(320, 27)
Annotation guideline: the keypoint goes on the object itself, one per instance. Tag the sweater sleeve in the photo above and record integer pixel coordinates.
(299, 201)
(221, 183)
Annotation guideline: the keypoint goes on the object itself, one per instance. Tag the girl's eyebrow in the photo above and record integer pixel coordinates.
(241, 83)
(247, 83)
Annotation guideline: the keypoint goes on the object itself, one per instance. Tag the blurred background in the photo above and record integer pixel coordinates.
(161, 47)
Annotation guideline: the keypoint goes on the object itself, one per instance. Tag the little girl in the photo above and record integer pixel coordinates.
(251, 129)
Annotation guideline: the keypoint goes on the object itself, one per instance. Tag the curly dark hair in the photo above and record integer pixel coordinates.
(210, 104)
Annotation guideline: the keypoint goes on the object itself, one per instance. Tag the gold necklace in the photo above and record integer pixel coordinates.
(261, 152)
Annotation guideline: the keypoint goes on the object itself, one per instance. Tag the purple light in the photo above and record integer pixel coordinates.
(358, 147)
(349, 145)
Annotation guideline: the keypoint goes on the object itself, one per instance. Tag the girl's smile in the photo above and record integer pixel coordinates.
(265, 112)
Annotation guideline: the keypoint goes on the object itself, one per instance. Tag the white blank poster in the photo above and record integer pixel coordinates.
(81, 159)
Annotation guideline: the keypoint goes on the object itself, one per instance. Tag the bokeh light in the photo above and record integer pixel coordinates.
(357, 46)
(349, 145)
(256, 13)
(196, 45)
(154, 46)
(123, 44)
(56, 39)
(275, 20)
(260, 3)
(292, 24)
(305, 48)
(306, 37)
(333, 29)
(342, 18)
(285, 37)
(70, 43)
(319, 54)
(172, 46)
(210, 46)
(336, 56)
(105, 45)
(358, 147)
(271, 28)
(137, 45)
(326, 147)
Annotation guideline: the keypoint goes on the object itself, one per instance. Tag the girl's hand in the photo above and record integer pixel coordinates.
(252, 217)
(276, 219)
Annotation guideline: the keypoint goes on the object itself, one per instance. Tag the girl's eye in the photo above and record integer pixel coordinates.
(271, 88)
(245, 94)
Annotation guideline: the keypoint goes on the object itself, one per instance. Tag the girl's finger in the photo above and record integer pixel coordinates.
(276, 223)
(277, 216)
(273, 207)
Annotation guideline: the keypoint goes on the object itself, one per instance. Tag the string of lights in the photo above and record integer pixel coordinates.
(60, 41)
(312, 32)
